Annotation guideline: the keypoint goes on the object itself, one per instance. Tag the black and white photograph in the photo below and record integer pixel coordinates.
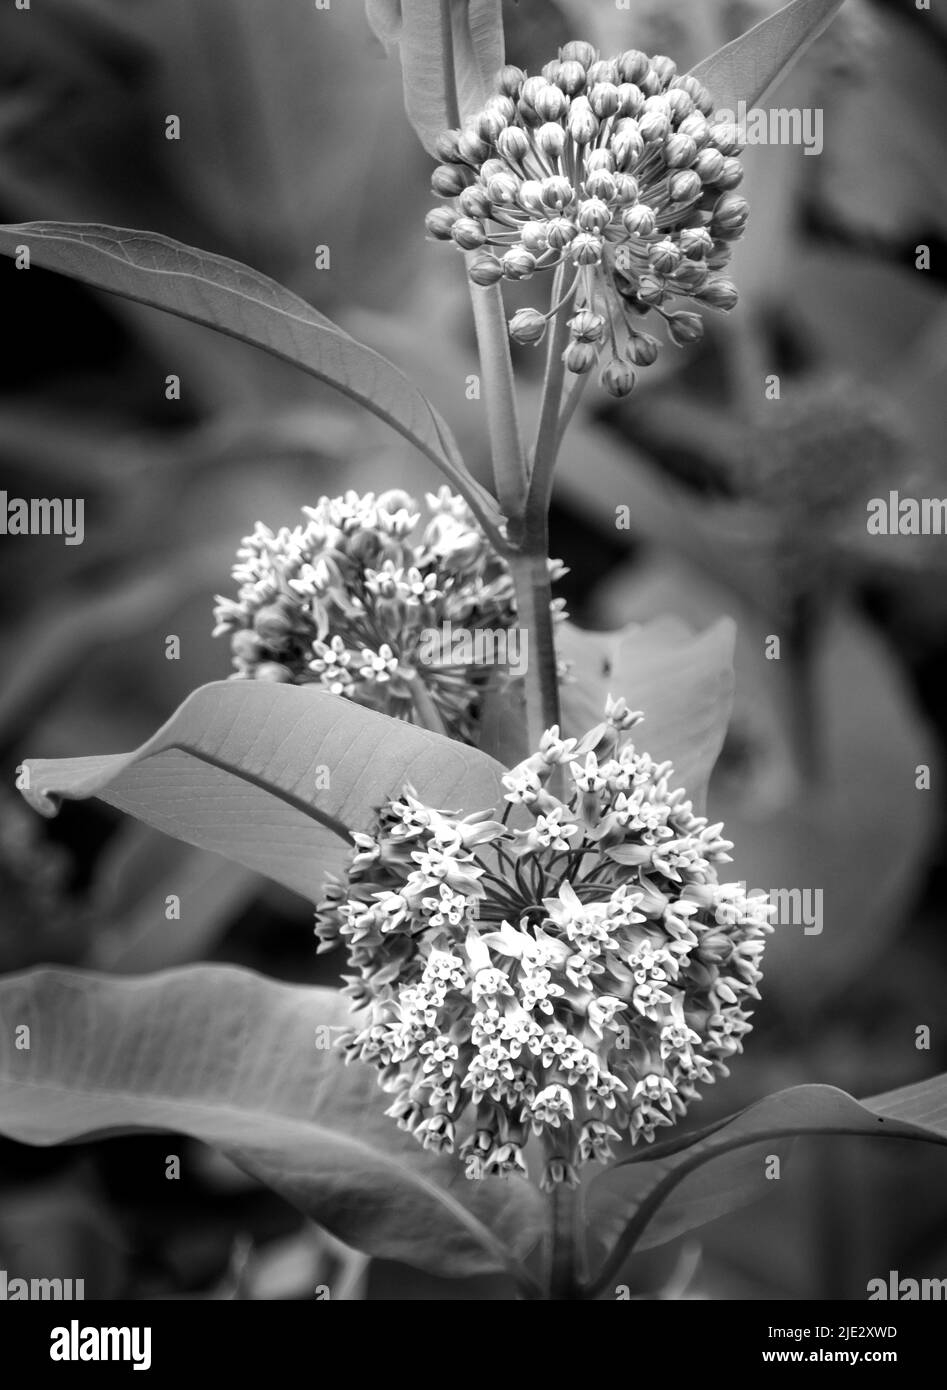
(473, 514)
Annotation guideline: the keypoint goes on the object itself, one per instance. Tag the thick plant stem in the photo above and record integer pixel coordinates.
(496, 368)
(563, 1282)
(426, 712)
(530, 574)
(549, 433)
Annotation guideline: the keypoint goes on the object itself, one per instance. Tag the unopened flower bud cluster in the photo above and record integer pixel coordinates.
(342, 601)
(570, 968)
(617, 172)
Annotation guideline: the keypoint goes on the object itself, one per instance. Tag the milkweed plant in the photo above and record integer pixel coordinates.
(545, 956)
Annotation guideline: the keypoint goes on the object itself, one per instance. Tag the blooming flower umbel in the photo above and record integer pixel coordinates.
(572, 969)
(614, 170)
(353, 601)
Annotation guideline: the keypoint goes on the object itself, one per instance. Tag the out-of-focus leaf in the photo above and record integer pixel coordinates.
(451, 50)
(681, 681)
(693, 1183)
(238, 301)
(750, 67)
(139, 871)
(241, 1063)
(241, 769)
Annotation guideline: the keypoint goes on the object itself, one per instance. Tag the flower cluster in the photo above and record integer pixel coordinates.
(616, 172)
(572, 969)
(353, 602)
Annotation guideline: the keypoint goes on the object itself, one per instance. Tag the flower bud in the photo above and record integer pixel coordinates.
(488, 126)
(582, 122)
(626, 143)
(551, 139)
(650, 83)
(527, 326)
(680, 105)
(664, 256)
(504, 107)
(601, 185)
(643, 349)
(468, 233)
(577, 51)
(638, 220)
(518, 264)
(275, 624)
(445, 146)
(247, 646)
(626, 189)
(474, 202)
(485, 269)
(730, 215)
(684, 186)
(571, 78)
(556, 192)
(529, 195)
(617, 378)
(731, 175)
(449, 179)
(604, 70)
(439, 222)
(593, 215)
(604, 99)
(709, 165)
(654, 126)
(579, 357)
(552, 103)
(513, 143)
(726, 137)
(719, 294)
(586, 249)
(551, 70)
(511, 80)
(559, 232)
(697, 92)
(696, 126)
(532, 88)
(586, 326)
(685, 328)
(696, 242)
(680, 151)
(472, 148)
(502, 189)
(651, 289)
(666, 68)
(633, 64)
(631, 99)
(535, 237)
(690, 276)
(273, 671)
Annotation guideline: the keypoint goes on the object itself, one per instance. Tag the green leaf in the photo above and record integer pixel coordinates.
(695, 1179)
(681, 681)
(240, 769)
(750, 67)
(242, 1063)
(451, 51)
(238, 301)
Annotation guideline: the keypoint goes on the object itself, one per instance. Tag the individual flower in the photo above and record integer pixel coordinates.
(567, 966)
(618, 173)
(366, 600)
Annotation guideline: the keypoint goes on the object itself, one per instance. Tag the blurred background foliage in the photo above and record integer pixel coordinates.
(292, 138)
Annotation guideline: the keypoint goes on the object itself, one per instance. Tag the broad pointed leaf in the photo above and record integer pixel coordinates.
(239, 301)
(241, 768)
(750, 67)
(697, 1178)
(247, 1065)
(451, 50)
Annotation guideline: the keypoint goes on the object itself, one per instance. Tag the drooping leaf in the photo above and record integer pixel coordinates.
(238, 301)
(681, 681)
(273, 776)
(451, 50)
(653, 1199)
(248, 1066)
(750, 67)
